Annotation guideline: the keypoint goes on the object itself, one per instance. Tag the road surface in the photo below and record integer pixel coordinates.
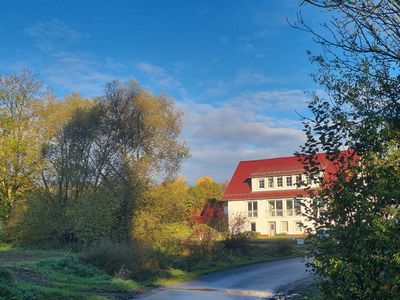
(250, 282)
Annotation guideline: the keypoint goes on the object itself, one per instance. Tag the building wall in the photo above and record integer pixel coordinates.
(262, 220)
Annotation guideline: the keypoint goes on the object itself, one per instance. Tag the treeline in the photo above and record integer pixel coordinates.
(78, 171)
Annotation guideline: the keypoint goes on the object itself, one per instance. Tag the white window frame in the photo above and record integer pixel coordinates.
(279, 180)
(270, 182)
(252, 209)
(261, 183)
(275, 212)
(289, 180)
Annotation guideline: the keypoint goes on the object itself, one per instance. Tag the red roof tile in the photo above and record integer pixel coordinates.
(239, 187)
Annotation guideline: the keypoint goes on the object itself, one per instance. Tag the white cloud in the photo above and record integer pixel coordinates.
(286, 99)
(221, 136)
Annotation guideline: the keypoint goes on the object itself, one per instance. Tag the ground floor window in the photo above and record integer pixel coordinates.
(253, 226)
(298, 227)
(252, 209)
(275, 208)
(293, 207)
(284, 226)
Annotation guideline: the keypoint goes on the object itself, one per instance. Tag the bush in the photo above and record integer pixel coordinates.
(29, 223)
(253, 235)
(93, 216)
(125, 259)
(285, 246)
(8, 289)
(237, 241)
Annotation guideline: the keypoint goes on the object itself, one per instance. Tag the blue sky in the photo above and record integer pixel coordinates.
(236, 68)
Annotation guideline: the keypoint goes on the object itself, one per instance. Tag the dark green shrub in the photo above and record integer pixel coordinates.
(6, 276)
(8, 290)
(41, 221)
(237, 241)
(125, 259)
(285, 246)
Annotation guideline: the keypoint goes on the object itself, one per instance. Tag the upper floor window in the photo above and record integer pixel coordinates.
(289, 181)
(261, 183)
(308, 179)
(252, 209)
(279, 182)
(271, 182)
(298, 179)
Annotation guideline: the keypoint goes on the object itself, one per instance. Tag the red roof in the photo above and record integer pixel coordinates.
(239, 187)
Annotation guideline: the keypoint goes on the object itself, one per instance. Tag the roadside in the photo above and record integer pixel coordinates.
(40, 274)
(302, 289)
(251, 282)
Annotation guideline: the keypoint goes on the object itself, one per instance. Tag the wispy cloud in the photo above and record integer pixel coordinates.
(160, 78)
(151, 69)
(79, 72)
(49, 34)
(249, 77)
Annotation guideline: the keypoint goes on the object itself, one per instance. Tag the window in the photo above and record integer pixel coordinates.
(308, 179)
(252, 209)
(298, 227)
(275, 208)
(279, 181)
(297, 207)
(298, 179)
(261, 183)
(289, 208)
(253, 226)
(284, 226)
(271, 182)
(289, 181)
(293, 207)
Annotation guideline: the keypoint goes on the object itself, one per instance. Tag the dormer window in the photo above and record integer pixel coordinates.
(279, 182)
(298, 179)
(289, 181)
(261, 183)
(270, 182)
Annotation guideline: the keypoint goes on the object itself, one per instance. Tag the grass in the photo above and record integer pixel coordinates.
(40, 274)
(262, 250)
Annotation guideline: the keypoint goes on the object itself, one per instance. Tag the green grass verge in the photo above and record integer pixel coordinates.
(38, 274)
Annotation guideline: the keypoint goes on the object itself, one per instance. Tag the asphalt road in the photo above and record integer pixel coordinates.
(250, 282)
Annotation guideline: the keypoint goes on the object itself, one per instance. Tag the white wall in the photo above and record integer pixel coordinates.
(240, 208)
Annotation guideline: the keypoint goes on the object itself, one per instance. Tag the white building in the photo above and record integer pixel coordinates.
(266, 193)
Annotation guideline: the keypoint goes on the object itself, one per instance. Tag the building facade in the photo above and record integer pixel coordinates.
(267, 194)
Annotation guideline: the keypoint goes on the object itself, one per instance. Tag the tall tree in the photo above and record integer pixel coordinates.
(127, 138)
(19, 96)
(356, 253)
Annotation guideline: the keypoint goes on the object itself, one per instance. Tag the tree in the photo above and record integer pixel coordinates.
(205, 189)
(20, 94)
(356, 249)
(122, 142)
